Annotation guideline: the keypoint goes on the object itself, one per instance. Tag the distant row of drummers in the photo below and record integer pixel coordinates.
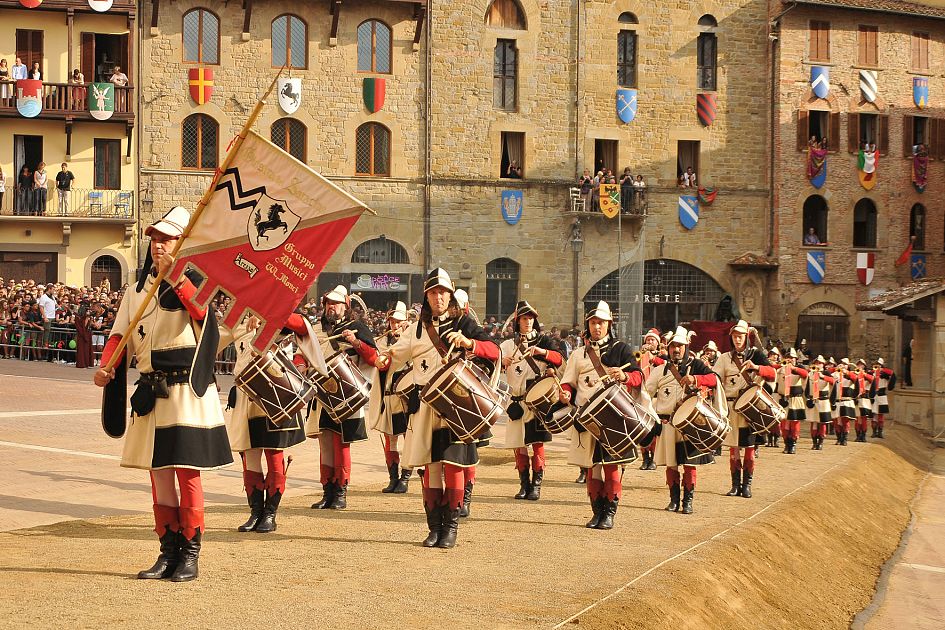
(433, 388)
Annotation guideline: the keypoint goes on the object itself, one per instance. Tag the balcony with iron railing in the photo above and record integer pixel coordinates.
(68, 101)
(586, 205)
(78, 203)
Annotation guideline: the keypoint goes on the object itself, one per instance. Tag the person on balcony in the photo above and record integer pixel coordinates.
(39, 190)
(78, 93)
(36, 73)
(24, 192)
(120, 79)
(5, 91)
(64, 179)
(20, 71)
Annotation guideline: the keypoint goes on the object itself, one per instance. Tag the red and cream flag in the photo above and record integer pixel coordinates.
(269, 228)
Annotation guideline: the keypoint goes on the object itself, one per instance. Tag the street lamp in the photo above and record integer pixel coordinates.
(577, 246)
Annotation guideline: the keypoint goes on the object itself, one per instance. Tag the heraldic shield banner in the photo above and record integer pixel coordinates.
(269, 228)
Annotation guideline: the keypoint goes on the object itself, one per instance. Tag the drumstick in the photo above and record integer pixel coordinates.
(288, 462)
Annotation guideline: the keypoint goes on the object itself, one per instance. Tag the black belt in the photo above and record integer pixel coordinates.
(175, 377)
(733, 399)
(664, 416)
(518, 398)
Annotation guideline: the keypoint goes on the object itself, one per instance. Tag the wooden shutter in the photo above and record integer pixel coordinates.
(36, 49)
(87, 65)
(862, 51)
(125, 55)
(882, 133)
(931, 132)
(802, 129)
(833, 139)
(853, 132)
(22, 45)
(907, 141)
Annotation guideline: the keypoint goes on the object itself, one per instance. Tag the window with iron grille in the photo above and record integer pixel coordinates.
(380, 251)
(706, 60)
(501, 287)
(106, 267)
(201, 34)
(374, 47)
(199, 142)
(289, 42)
(505, 71)
(372, 150)
(289, 135)
(627, 58)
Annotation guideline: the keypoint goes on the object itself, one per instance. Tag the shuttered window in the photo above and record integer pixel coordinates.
(867, 39)
(920, 51)
(819, 41)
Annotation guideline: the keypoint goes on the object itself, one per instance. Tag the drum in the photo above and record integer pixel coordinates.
(463, 395)
(274, 383)
(542, 400)
(402, 387)
(617, 421)
(761, 410)
(345, 390)
(701, 424)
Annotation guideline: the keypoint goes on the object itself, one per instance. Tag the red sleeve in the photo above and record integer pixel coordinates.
(767, 372)
(296, 324)
(554, 358)
(886, 372)
(829, 379)
(367, 352)
(185, 291)
(110, 346)
(634, 379)
(868, 377)
(485, 350)
(568, 388)
(799, 371)
(299, 361)
(657, 361)
(706, 380)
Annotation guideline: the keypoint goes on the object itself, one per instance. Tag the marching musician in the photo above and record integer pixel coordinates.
(526, 358)
(710, 353)
(668, 391)
(791, 385)
(864, 406)
(884, 380)
(469, 472)
(253, 434)
(848, 382)
(176, 428)
(601, 356)
(649, 358)
(830, 369)
(339, 331)
(820, 396)
(388, 413)
(429, 441)
(736, 368)
(774, 360)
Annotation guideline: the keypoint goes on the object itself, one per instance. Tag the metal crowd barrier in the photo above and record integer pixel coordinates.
(61, 343)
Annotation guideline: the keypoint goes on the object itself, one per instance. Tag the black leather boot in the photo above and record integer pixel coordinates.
(434, 523)
(777, 441)
(673, 498)
(646, 460)
(597, 505)
(770, 439)
(523, 484)
(582, 476)
(340, 501)
(607, 517)
(328, 496)
(255, 500)
(167, 560)
(687, 500)
(467, 499)
(189, 553)
(736, 484)
(268, 521)
(403, 482)
(449, 528)
(879, 433)
(652, 464)
(746, 485)
(394, 472)
(534, 492)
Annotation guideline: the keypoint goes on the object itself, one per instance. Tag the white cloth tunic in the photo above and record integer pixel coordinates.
(519, 375)
(384, 403)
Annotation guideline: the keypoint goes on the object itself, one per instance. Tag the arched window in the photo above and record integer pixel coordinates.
(374, 47)
(708, 21)
(627, 52)
(199, 142)
(372, 150)
(289, 42)
(501, 287)
(707, 54)
(917, 226)
(201, 33)
(864, 223)
(506, 14)
(505, 75)
(103, 267)
(289, 135)
(815, 217)
(628, 18)
(380, 251)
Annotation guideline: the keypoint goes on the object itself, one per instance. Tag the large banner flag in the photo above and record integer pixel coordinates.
(269, 228)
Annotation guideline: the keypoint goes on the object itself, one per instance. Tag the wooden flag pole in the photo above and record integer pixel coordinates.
(257, 110)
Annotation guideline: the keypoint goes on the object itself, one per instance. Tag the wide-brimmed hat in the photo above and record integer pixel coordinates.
(879, 361)
(844, 361)
(681, 335)
(792, 353)
(438, 278)
(339, 294)
(820, 359)
(859, 361)
(524, 308)
(462, 299)
(711, 346)
(654, 333)
(171, 224)
(740, 327)
(774, 350)
(602, 311)
(398, 313)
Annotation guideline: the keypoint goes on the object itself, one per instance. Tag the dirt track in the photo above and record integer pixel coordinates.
(810, 560)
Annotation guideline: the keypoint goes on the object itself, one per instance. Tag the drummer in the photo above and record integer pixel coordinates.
(527, 357)
(846, 409)
(337, 331)
(386, 409)
(601, 355)
(649, 358)
(884, 381)
(738, 369)
(792, 381)
(253, 434)
(668, 393)
(774, 360)
(864, 405)
(820, 397)
(710, 353)
(429, 441)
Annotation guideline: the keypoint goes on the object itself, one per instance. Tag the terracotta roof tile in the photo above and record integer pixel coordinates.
(750, 259)
(903, 295)
(882, 6)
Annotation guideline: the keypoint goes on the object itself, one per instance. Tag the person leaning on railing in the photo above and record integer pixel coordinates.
(6, 329)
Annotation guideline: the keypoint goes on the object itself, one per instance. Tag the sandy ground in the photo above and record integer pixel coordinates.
(804, 552)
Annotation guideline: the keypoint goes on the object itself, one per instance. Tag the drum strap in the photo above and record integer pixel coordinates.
(435, 338)
(595, 360)
(532, 363)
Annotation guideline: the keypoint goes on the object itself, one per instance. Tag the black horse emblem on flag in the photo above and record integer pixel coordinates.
(270, 223)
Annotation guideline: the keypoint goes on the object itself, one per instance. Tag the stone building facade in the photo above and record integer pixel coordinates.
(440, 202)
(898, 42)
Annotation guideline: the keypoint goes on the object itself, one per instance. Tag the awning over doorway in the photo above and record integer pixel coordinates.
(895, 298)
